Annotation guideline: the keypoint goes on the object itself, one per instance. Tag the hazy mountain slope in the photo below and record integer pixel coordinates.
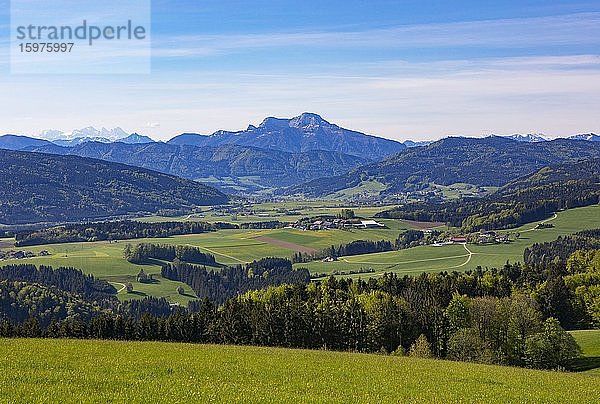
(14, 142)
(492, 161)
(584, 175)
(272, 168)
(38, 187)
(135, 138)
(306, 132)
(590, 137)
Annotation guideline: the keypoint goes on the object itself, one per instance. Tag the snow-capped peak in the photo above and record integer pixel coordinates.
(590, 137)
(52, 134)
(529, 138)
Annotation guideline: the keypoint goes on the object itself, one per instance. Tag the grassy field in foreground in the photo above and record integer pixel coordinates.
(454, 257)
(140, 372)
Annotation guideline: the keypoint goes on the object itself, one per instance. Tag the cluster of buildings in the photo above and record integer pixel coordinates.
(484, 237)
(20, 254)
(491, 237)
(328, 224)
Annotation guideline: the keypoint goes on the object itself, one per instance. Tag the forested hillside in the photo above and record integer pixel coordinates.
(492, 161)
(269, 168)
(37, 187)
(524, 200)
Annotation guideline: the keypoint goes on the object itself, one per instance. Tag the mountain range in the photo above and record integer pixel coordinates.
(36, 187)
(303, 133)
(492, 161)
(311, 156)
(279, 152)
(229, 167)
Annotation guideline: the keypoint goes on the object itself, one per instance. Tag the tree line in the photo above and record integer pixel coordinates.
(406, 239)
(344, 315)
(67, 279)
(126, 230)
(116, 230)
(562, 248)
(141, 253)
(218, 285)
(513, 315)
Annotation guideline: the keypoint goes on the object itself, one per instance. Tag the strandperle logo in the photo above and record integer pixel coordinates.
(90, 33)
(83, 37)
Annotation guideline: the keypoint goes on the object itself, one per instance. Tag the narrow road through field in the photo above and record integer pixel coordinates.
(120, 284)
(403, 262)
(392, 265)
(468, 259)
(542, 222)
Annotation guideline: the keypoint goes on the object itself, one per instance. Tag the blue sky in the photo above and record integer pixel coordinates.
(397, 69)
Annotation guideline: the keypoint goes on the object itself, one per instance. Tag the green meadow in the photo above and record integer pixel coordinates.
(231, 247)
(273, 211)
(80, 371)
(589, 341)
(457, 257)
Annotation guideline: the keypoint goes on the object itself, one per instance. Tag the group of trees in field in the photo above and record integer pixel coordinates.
(269, 224)
(117, 230)
(406, 239)
(218, 285)
(67, 279)
(125, 230)
(141, 253)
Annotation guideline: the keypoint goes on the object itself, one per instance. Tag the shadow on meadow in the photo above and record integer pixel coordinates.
(586, 363)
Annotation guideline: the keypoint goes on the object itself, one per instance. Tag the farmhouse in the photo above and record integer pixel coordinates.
(487, 237)
(459, 239)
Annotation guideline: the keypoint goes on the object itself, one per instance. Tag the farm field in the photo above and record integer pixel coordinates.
(456, 257)
(273, 211)
(232, 247)
(76, 371)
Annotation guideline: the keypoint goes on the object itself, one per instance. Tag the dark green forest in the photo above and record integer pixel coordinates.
(125, 230)
(525, 200)
(37, 187)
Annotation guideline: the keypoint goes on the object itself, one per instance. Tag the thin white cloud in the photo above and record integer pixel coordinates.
(552, 95)
(570, 29)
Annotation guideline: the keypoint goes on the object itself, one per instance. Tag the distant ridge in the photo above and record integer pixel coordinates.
(134, 138)
(267, 168)
(491, 161)
(590, 137)
(529, 138)
(306, 132)
(36, 187)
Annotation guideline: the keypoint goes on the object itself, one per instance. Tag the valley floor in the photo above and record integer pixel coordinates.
(139, 372)
(458, 257)
(105, 260)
